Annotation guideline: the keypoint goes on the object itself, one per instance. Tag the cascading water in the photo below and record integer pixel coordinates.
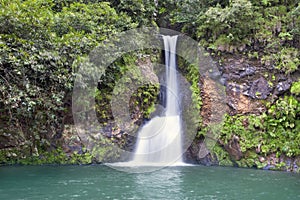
(159, 141)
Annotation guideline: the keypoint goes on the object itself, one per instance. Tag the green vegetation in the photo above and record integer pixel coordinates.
(276, 131)
(57, 156)
(295, 89)
(42, 43)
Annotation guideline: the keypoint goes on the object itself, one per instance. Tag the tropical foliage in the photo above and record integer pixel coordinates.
(42, 42)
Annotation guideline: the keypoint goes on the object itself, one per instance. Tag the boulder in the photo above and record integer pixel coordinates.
(282, 87)
(233, 148)
(249, 71)
(260, 89)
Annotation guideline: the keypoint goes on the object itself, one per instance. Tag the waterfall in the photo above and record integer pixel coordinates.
(159, 141)
(172, 105)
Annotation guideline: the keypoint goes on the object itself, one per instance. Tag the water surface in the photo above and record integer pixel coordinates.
(184, 182)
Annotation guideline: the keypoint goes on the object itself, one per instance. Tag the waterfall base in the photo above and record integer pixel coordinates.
(159, 142)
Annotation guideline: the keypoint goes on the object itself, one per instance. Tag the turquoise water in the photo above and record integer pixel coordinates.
(102, 182)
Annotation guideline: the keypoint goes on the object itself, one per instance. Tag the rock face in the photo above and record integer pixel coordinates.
(260, 89)
(272, 161)
(239, 102)
(237, 89)
(104, 142)
(233, 148)
(246, 83)
(249, 71)
(7, 141)
(214, 101)
(282, 87)
(198, 153)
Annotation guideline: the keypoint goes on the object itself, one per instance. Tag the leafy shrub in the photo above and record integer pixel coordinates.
(295, 89)
(276, 131)
(38, 46)
(231, 22)
(288, 60)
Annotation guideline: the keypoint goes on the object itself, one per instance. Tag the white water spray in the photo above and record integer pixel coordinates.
(159, 141)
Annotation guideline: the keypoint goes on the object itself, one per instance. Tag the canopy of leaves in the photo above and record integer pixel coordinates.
(42, 42)
(39, 42)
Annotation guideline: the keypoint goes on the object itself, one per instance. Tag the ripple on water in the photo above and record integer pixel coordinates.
(174, 183)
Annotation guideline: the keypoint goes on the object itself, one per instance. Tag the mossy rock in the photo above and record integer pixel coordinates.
(222, 156)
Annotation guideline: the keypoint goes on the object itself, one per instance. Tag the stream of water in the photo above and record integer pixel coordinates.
(159, 141)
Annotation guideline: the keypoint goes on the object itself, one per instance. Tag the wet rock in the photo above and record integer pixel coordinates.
(215, 74)
(129, 143)
(268, 167)
(223, 80)
(260, 89)
(8, 140)
(190, 156)
(295, 168)
(281, 77)
(234, 76)
(296, 164)
(282, 87)
(198, 153)
(238, 99)
(231, 103)
(233, 148)
(203, 151)
(282, 163)
(239, 69)
(249, 71)
(238, 88)
(207, 160)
